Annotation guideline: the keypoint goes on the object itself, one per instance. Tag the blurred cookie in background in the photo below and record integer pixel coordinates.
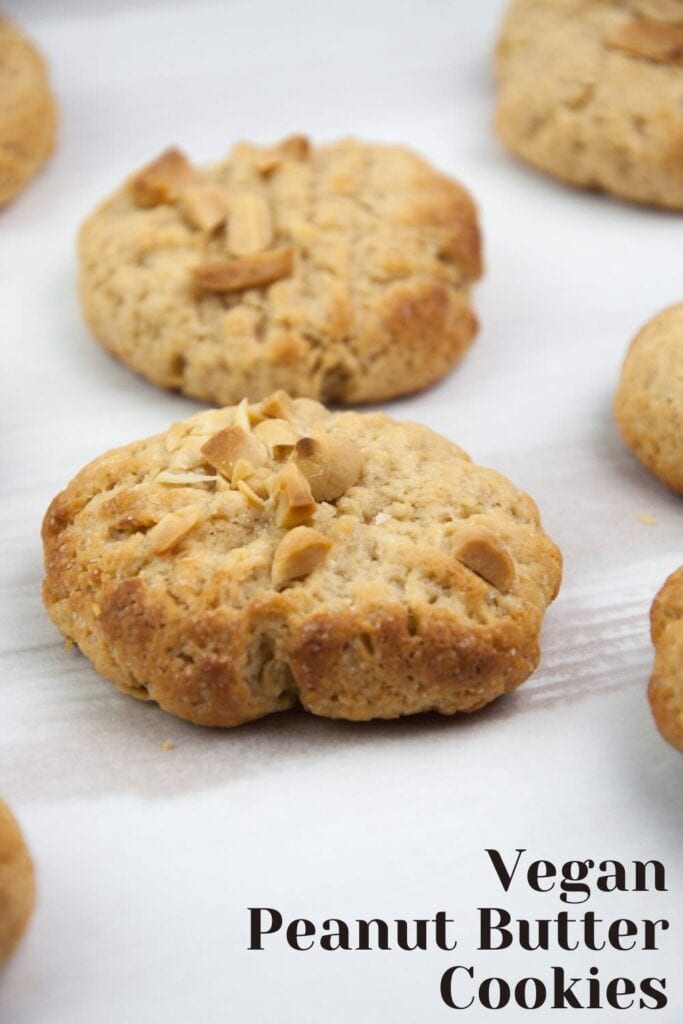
(592, 92)
(648, 405)
(666, 685)
(28, 113)
(339, 272)
(17, 885)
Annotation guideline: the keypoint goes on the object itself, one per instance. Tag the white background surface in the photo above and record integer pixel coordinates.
(147, 860)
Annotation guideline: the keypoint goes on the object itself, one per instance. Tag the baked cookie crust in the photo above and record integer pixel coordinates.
(28, 115)
(260, 556)
(339, 272)
(666, 685)
(591, 91)
(648, 405)
(17, 885)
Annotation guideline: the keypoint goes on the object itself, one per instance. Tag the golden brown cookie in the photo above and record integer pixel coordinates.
(340, 272)
(592, 91)
(666, 685)
(27, 111)
(648, 405)
(262, 555)
(17, 886)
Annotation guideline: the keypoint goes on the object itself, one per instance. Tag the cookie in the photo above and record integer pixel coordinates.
(264, 555)
(666, 685)
(591, 91)
(17, 886)
(648, 405)
(338, 272)
(27, 111)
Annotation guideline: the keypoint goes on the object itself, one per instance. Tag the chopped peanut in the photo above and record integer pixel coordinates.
(658, 41)
(228, 446)
(299, 552)
(486, 554)
(162, 181)
(330, 462)
(254, 271)
(173, 527)
(204, 206)
(295, 502)
(250, 228)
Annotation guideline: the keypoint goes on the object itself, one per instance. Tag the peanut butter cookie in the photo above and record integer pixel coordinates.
(17, 886)
(264, 555)
(339, 272)
(666, 685)
(27, 111)
(648, 405)
(592, 91)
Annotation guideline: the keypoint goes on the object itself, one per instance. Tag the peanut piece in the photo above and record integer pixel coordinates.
(654, 40)
(204, 206)
(294, 147)
(250, 228)
(253, 271)
(228, 446)
(163, 180)
(279, 406)
(330, 462)
(295, 502)
(278, 435)
(299, 552)
(486, 554)
(173, 527)
(251, 496)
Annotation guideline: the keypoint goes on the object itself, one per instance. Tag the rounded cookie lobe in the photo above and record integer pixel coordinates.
(27, 111)
(665, 691)
(610, 113)
(17, 885)
(339, 272)
(263, 555)
(648, 405)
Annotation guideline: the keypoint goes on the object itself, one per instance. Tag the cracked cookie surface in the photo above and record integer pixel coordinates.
(17, 886)
(591, 91)
(27, 111)
(666, 685)
(259, 556)
(648, 405)
(339, 272)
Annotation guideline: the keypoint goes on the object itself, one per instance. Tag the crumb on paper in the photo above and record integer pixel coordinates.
(166, 746)
(648, 520)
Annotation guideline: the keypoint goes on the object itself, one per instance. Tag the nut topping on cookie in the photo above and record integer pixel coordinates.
(295, 147)
(330, 462)
(486, 555)
(253, 271)
(204, 206)
(225, 448)
(162, 181)
(278, 435)
(250, 228)
(295, 504)
(654, 40)
(279, 405)
(299, 552)
(173, 527)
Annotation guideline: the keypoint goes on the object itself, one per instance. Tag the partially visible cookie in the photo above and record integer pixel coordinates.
(260, 556)
(648, 405)
(666, 685)
(27, 111)
(591, 91)
(17, 886)
(340, 272)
